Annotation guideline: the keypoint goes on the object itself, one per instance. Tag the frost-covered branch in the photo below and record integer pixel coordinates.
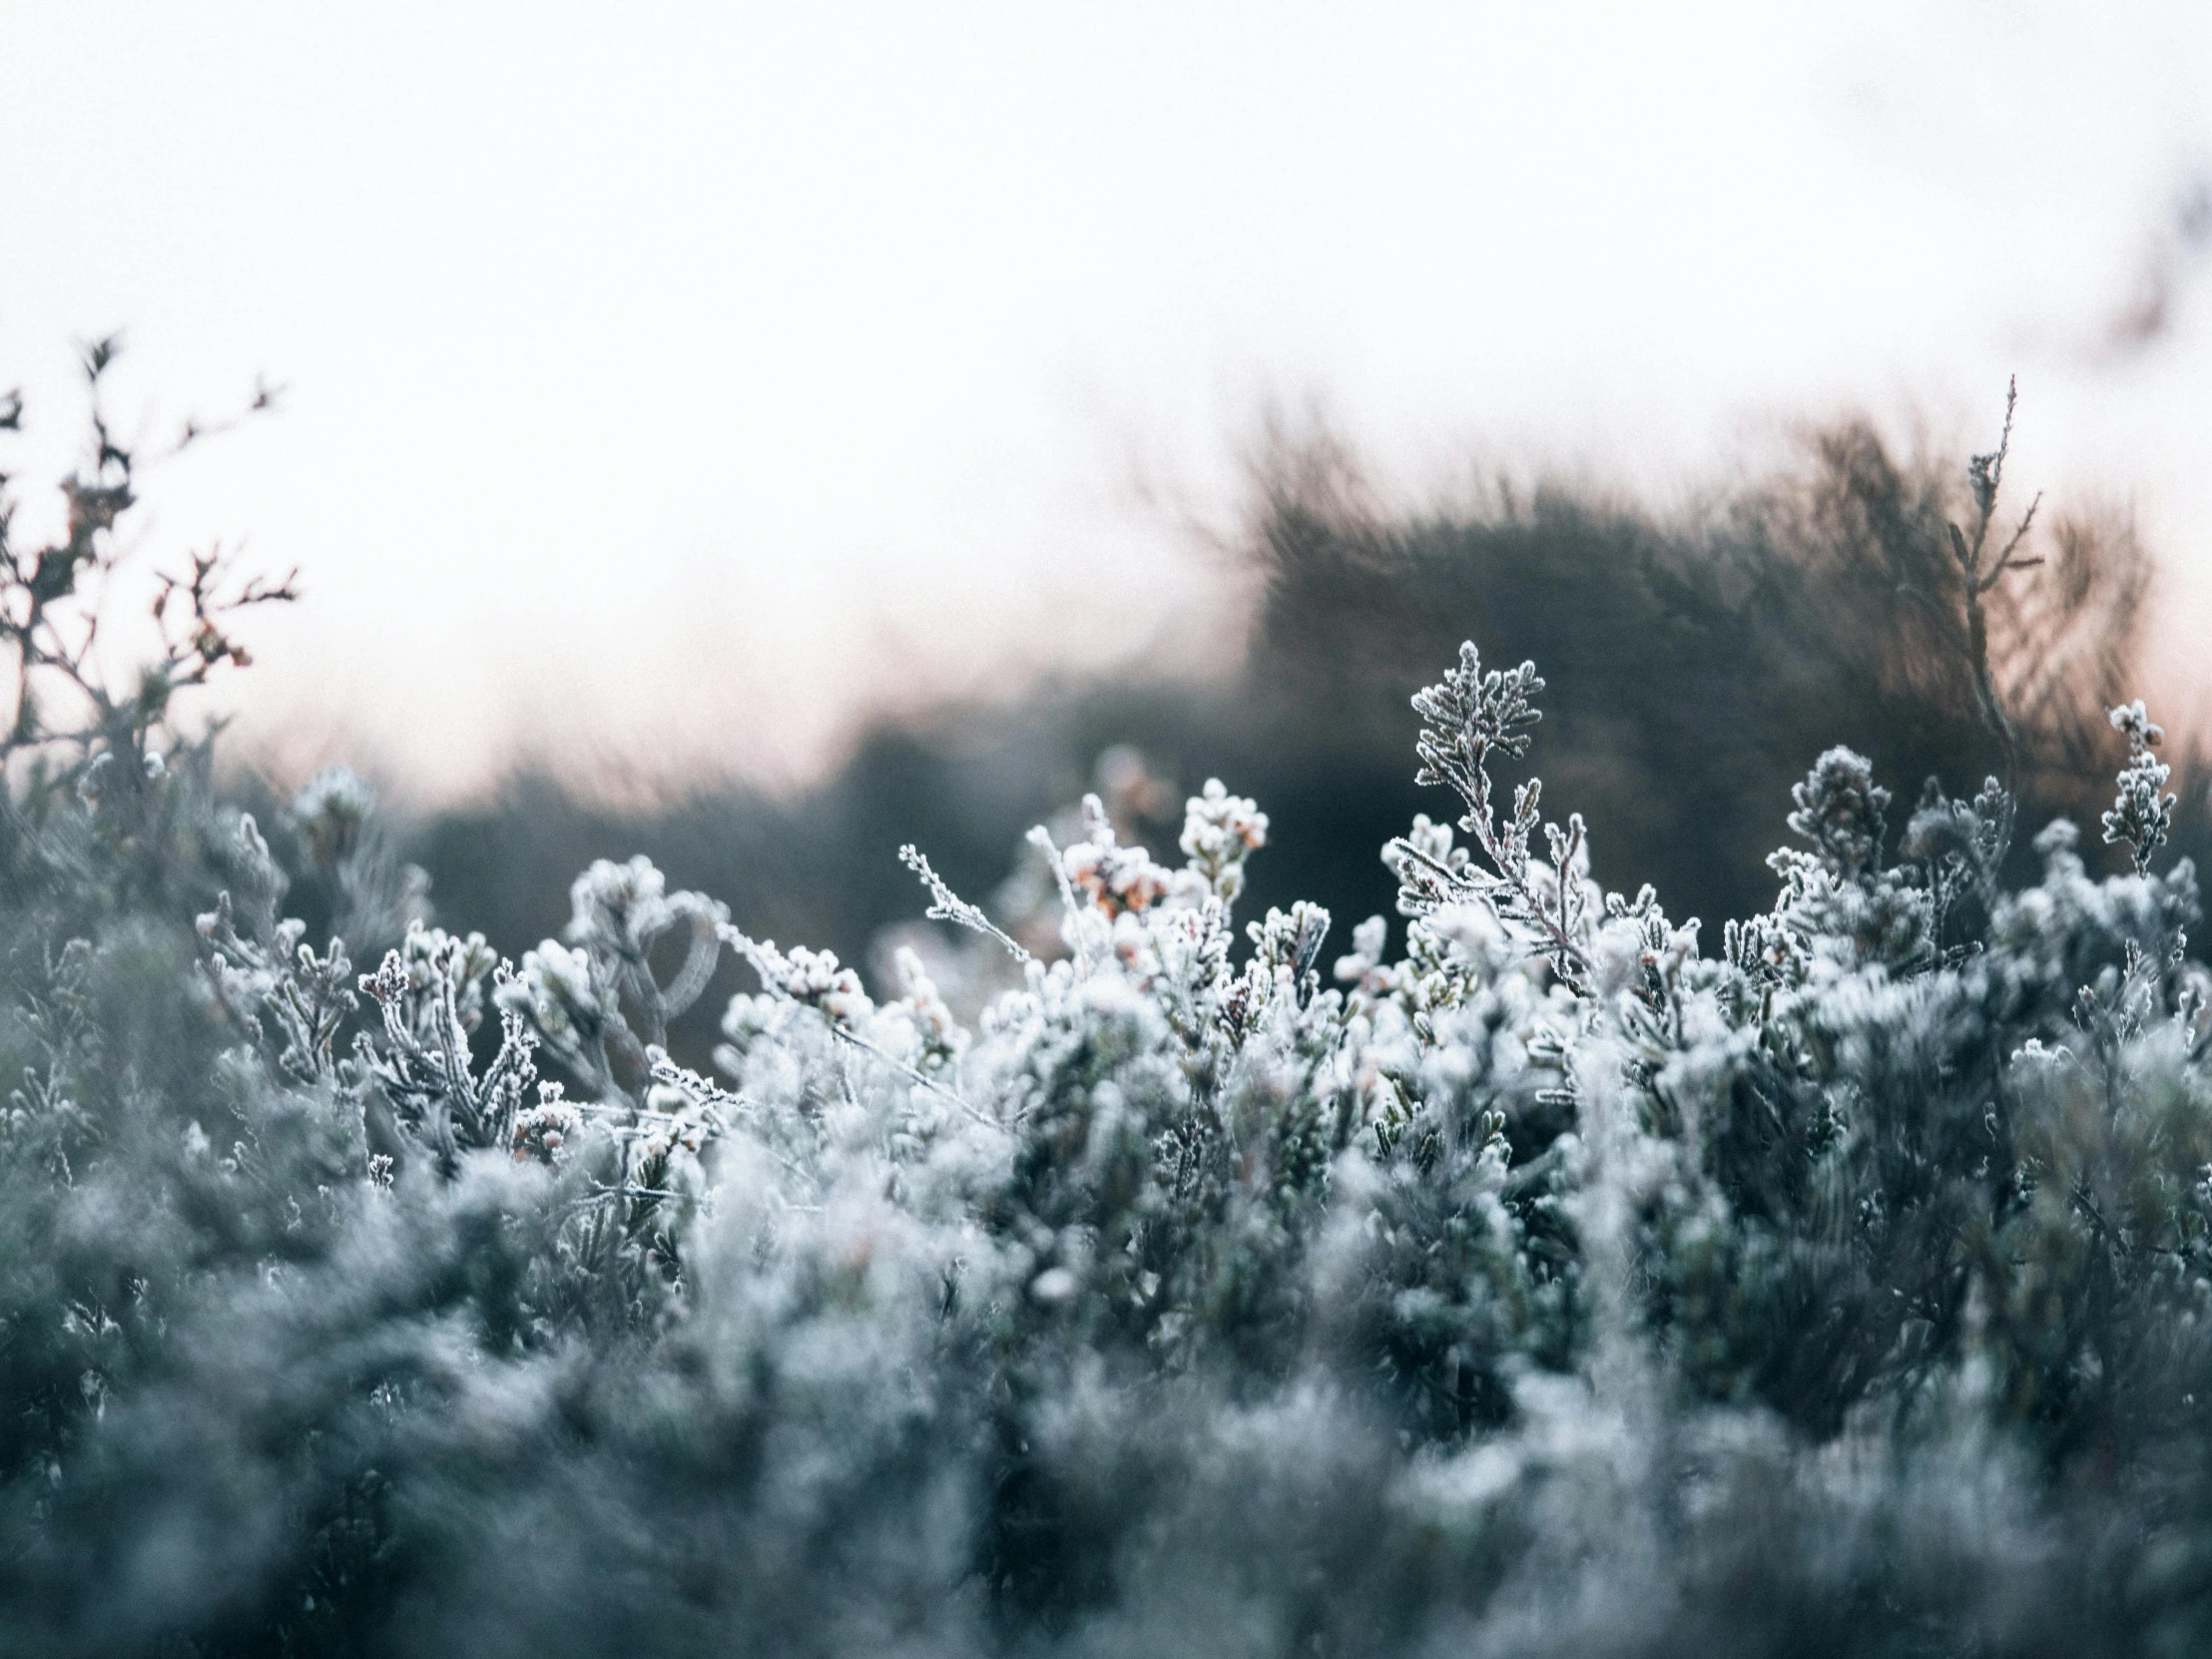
(947, 905)
(2142, 814)
(1468, 719)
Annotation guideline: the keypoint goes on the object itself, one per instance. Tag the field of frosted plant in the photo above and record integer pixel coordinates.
(1536, 1270)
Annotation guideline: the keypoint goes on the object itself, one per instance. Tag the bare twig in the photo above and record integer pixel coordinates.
(55, 599)
(1984, 478)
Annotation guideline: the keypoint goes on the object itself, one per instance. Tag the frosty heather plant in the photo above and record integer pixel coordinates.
(430, 993)
(1220, 831)
(598, 1003)
(2141, 814)
(937, 1039)
(373, 895)
(271, 972)
(1118, 880)
(1545, 1286)
(1981, 569)
(812, 979)
(547, 1130)
(1841, 810)
(1467, 719)
(330, 808)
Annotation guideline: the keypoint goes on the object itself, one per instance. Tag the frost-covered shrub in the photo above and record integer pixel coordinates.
(1534, 1275)
(1700, 655)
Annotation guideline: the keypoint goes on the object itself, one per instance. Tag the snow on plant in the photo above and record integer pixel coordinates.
(1545, 1285)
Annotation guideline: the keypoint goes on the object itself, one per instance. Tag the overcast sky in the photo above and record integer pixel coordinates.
(674, 381)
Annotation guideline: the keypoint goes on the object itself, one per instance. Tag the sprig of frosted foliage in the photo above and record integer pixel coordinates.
(376, 895)
(1599, 944)
(1538, 1285)
(1117, 881)
(947, 905)
(2141, 814)
(1541, 1284)
(1220, 831)
(1843, 812)
(269, 973)
(331, 807)
(1468, 719)
(812, 979)
(598, 1003)
(430, 993)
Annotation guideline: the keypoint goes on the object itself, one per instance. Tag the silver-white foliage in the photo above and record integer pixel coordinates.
(1541, 1284)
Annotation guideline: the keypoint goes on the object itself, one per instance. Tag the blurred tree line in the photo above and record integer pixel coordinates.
(1697, 662)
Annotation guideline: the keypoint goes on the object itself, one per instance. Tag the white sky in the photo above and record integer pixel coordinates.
(672, 381)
